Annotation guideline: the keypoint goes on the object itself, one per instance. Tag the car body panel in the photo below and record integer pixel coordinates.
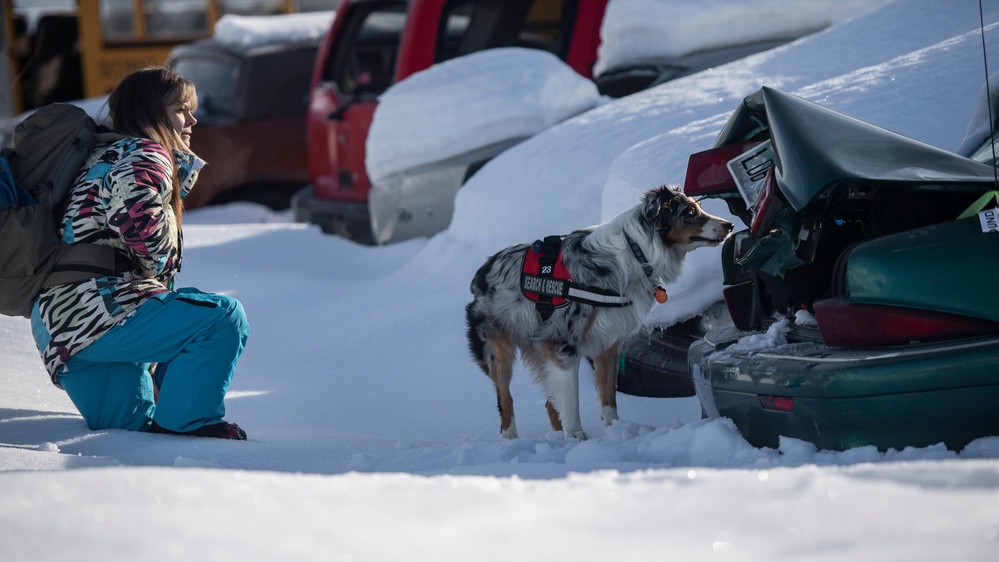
(338, 144)
(889, 398)
(943, 267)
(273, 170)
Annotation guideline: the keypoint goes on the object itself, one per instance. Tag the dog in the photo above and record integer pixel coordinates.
(614, 269)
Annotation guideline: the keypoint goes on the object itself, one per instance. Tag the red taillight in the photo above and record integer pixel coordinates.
(707, 171)
(767, 206)
(777, 403)
(846, 324)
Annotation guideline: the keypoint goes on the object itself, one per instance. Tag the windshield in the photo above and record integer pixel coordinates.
(216, 80)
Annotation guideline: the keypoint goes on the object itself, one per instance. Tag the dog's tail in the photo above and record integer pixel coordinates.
(474, 319)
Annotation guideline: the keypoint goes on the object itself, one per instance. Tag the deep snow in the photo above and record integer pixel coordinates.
(374, 437)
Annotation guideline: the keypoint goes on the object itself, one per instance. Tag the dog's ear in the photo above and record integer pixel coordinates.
(657, 205)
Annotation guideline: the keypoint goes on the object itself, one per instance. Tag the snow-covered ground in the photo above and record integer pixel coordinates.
(374, 437)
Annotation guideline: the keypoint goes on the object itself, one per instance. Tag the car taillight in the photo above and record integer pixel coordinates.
(777, 403)
(708, 173)
(847, 324)
(767, 206)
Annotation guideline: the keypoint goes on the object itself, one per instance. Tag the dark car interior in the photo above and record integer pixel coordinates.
(536, 24)
(364, 64)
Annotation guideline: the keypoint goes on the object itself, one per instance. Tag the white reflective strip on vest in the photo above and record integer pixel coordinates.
(596, 297)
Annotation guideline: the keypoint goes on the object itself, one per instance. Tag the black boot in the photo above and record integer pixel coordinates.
(221, 430)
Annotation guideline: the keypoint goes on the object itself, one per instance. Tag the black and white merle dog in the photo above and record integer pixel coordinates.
(615, 269)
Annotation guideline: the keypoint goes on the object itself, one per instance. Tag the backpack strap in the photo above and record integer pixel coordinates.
(79, 262)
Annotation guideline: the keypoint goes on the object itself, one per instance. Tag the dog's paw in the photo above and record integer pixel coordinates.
(580, 435)
(608, 414)
(510, 432)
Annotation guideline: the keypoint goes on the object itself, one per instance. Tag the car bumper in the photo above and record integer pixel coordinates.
(344, 218)
(420, 201)
(917, 395)
(410, 205)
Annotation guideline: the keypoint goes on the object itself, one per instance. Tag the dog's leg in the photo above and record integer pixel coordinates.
(500, 357)
(605, 378)
(560, 376)
(553, 416)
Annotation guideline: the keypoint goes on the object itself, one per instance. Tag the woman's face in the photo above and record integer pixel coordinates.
(181, 116)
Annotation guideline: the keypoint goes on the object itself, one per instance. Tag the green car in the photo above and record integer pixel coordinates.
(863, 291)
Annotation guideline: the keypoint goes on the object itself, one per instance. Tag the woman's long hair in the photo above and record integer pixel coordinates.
(137, 109)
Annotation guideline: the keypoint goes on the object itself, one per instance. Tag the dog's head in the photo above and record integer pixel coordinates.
(680, 222)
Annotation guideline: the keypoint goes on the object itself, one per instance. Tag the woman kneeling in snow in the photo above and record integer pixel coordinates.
(101, 339)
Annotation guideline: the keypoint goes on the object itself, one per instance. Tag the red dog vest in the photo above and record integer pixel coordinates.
(545, 277)
(546, 280)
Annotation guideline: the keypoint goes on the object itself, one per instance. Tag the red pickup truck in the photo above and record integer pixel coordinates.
(373, 44)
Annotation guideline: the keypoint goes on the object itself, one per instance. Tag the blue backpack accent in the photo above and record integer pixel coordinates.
(11, 193)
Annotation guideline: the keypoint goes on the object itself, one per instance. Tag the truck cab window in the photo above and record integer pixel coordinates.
(364, 65)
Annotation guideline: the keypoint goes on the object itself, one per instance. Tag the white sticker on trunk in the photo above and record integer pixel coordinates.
(749, 169)
(989, 219)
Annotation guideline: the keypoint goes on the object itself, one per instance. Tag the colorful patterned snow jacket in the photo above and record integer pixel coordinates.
(121, 198)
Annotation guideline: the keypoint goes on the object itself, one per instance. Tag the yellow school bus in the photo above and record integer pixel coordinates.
(119, 36)
(116, 37)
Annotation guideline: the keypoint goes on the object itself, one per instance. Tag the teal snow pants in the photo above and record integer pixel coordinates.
(199, 336)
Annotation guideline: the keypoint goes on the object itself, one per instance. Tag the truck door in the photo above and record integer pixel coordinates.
(360, 65)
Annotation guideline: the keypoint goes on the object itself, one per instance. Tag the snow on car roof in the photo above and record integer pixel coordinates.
(471, 102)
(649, 29)
(262, 30)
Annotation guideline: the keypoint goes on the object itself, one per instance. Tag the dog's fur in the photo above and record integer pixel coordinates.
(501, 320)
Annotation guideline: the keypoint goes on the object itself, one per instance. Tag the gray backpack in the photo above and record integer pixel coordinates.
(50, 148)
